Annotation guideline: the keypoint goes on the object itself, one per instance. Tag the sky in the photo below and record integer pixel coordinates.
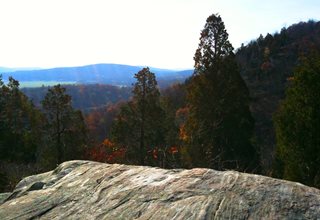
(157, 33)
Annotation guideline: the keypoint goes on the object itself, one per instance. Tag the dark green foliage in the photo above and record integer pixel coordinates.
(19, 123)
(138, 127)
(28, 138)
(213, 47)
(65, 129)
(20, 134)
(11, 173)
(173, 98)
(220, 124)
(125, 132)
(297, 124)
(266, 64)
(76, 137)
(3, 181)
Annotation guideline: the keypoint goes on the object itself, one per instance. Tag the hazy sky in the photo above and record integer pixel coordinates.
(158, 33)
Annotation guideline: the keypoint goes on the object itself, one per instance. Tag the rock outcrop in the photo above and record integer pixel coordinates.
(90, 190)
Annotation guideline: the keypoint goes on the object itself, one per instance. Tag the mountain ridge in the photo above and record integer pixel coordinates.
(113, 74)
(9, 69)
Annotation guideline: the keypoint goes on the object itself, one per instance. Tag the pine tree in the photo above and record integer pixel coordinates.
(65, 127)
(297, 124)
(19, 124)
(138, 127)
(220, 124)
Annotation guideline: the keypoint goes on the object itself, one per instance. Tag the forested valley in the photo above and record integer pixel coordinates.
(255, 109)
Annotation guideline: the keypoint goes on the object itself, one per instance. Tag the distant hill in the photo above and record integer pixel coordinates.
(7, 70)
(112, 74)
(85, 97)
(266, 65)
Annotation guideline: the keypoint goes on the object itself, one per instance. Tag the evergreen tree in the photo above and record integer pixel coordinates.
(138, 127)
(220, 124)
(19, 124)
(19, 134)
(297, 125)
(65, 127)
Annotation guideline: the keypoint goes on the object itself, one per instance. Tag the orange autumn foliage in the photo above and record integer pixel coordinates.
(170, 150)
(107, 152)
(182, 133)
(173, 150)
(107, 143)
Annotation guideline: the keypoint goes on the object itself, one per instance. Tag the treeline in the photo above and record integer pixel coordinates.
(208, 121)
(86, 97)
(34, 140)
(281, 72)
(267, 65)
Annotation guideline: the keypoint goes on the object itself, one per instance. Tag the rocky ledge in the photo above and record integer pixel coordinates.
(91, 190)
